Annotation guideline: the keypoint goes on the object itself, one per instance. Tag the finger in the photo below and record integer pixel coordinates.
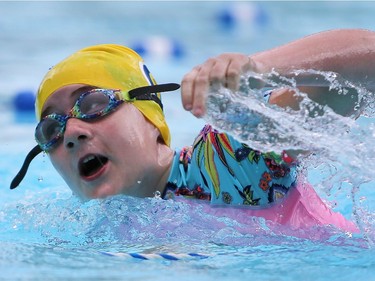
(200, 88)
(187, 88)
(237, 66)
(218, 73)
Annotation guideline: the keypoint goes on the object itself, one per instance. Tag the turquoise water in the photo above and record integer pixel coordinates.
(46, 234)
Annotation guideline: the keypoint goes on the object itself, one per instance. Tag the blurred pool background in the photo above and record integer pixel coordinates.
(46, 235)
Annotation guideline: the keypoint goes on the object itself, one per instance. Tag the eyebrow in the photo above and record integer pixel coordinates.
(49, 109)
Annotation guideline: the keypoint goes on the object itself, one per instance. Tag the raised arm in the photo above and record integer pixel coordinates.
(350, 53)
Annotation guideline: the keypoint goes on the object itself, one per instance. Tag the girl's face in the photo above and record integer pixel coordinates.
(119, 153)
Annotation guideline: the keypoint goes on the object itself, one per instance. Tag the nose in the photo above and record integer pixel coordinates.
(76, 133)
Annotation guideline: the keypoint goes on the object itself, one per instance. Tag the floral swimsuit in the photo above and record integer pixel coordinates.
(220, 169)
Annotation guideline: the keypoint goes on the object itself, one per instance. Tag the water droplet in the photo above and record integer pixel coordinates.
(157, 194)
(362, 199)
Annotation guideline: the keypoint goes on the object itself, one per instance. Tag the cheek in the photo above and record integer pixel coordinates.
(64, 169)
(135, 131)
(57, 161)
(61, 165)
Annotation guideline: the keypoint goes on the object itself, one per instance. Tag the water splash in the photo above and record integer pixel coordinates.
(126, 224)
(340, 147)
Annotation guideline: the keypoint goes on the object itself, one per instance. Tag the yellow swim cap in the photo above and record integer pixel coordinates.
(105, 66)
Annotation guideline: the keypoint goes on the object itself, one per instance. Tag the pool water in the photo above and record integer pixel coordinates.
(47, 234)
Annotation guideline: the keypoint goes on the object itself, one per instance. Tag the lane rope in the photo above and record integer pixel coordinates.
(165, 256)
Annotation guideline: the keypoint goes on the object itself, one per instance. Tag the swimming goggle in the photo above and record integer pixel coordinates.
(90, 105)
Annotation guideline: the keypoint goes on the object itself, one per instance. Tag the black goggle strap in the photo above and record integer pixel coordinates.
(149, 92)
(21, 174)
(141, 93)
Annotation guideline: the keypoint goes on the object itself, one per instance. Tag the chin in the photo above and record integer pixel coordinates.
(103, 192)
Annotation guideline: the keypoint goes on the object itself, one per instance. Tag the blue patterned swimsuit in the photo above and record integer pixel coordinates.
(220, 169)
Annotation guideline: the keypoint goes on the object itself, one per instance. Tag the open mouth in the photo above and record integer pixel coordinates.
(91, 164)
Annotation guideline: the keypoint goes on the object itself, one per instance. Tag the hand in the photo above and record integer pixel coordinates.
(224, 69)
